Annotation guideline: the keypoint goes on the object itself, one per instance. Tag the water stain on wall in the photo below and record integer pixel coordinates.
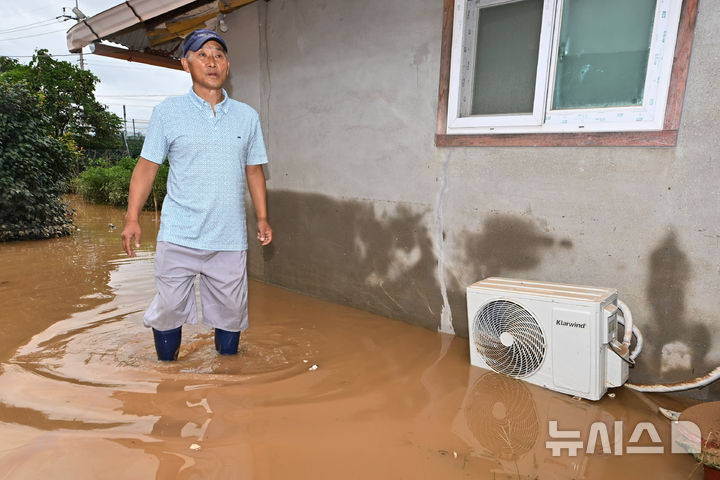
(671, 329)
(347, 251)
(506, 244)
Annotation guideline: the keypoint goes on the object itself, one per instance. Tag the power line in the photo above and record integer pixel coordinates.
(142, 95)
(116, 62)
(30, 36)
(43, 55)
(137, 66)
(134, 105)
(29, 26)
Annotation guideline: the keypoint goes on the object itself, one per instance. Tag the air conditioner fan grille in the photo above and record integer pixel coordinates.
(509, 338)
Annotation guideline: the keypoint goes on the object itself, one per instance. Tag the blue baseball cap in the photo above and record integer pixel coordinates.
(200, 37)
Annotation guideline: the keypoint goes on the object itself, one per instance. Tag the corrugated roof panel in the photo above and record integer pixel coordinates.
(150, 25)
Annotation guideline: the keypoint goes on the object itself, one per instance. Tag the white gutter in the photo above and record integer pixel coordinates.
(117, 18)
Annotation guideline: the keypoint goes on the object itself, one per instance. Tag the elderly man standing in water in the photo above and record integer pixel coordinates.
(214, 145)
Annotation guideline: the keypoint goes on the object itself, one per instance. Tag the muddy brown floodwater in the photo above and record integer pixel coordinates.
(319, 391)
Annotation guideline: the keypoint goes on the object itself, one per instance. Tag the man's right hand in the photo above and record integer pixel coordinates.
(131, 233)
(140, 186)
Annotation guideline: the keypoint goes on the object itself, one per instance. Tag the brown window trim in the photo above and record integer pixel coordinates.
(663, 138)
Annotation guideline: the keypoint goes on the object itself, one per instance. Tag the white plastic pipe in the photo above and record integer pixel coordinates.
(631, 330)
(706, 379)
(639, 339)
(627, 315)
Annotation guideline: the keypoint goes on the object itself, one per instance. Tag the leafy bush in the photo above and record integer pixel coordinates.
(34, 168)
(109, 184)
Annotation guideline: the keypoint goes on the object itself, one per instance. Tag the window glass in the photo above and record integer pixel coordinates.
(506, 58)
(603, 53)
(560, 66)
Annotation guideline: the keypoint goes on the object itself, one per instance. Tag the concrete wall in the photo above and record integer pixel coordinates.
(368, 212)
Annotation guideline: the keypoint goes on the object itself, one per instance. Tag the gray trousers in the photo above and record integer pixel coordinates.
(223, 288)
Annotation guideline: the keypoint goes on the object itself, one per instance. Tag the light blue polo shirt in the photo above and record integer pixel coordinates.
(205, 203)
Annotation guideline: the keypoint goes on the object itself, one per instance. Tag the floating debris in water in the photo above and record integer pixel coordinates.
(446, 452)
(670, 414)
(314, 367)
(611, 395)
(202, 403)
(194, 446)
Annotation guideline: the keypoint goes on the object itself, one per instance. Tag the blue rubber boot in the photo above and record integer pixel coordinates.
(167, 343)
(226, 343)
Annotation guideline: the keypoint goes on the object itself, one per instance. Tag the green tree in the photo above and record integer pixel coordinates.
(7, 63)
(67, 99)
(34, 168)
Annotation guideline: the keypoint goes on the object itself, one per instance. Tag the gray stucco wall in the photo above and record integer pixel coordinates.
(368, 212)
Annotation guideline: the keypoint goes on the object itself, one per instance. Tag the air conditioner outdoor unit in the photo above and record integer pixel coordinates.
(557, 336)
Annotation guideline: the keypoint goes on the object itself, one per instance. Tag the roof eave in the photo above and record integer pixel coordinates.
(118, 18)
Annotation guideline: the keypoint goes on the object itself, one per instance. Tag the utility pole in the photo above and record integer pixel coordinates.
(79, 17)
(127, 149)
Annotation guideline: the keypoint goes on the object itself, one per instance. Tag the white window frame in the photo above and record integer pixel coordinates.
(646, 117)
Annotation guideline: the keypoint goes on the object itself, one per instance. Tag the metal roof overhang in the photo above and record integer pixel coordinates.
(151, 30)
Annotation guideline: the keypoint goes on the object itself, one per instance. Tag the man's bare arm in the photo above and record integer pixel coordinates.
(141, 183)
(258, 193)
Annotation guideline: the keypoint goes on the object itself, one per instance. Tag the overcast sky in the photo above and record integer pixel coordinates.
(26, 25)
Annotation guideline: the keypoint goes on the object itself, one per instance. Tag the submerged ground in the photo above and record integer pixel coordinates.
(319, 391)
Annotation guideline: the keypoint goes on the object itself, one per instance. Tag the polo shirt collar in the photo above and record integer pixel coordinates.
(202, 104)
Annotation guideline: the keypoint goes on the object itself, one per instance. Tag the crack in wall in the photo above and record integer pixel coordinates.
(446, 325)
(265, 82)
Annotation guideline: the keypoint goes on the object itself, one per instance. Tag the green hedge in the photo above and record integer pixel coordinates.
(109, 183)
(34, 169)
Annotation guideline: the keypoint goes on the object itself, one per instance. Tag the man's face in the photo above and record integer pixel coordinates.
(208, 66)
